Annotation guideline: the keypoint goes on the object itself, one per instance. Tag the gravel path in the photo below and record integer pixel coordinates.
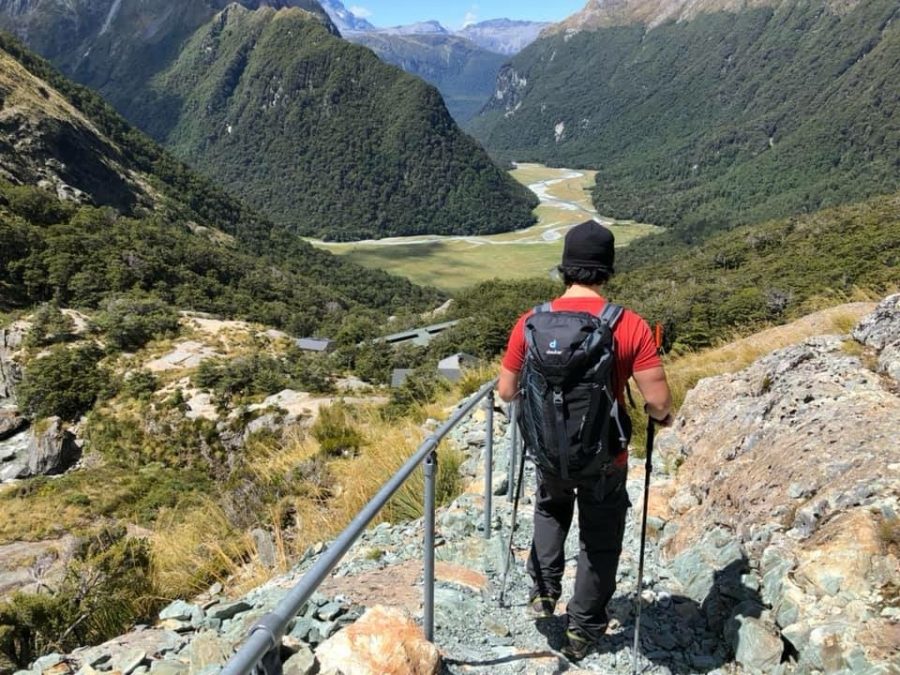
(476, 635)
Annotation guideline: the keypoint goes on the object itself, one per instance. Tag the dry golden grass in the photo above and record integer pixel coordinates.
(190, 549)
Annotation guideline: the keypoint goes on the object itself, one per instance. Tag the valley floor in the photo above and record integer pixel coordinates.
(453, 263)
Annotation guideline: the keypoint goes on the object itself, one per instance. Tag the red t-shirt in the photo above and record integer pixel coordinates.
(634, 343)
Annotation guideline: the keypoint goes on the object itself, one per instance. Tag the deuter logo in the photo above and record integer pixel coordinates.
(554, 344)
(554, 349)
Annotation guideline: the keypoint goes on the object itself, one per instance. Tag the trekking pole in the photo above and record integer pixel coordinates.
(512, 527)
(648, 468)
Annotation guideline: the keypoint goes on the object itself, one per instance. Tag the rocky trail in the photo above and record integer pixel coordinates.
(772, 549)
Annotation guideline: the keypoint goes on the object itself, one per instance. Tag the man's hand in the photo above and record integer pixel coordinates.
(667, 422)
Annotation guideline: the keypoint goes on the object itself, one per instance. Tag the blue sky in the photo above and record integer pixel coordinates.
(455, 13)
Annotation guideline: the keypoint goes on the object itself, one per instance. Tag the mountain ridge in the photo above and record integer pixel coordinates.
(652, 13)
(792, 111)
(338, 148)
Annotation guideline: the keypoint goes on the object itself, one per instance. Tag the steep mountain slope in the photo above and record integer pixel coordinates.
(715, 119)
(463, 72)
(325, 138)
(64, 153)
(463, 65)
(116, 46)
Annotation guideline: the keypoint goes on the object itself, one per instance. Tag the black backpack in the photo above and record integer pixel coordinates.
(570, 417)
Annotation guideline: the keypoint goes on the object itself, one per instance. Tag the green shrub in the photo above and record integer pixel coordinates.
(140, 384)
(65, 383)
(336, 431)
(243, 376)
(49, 325)
(421, 388)
(130, 323)
(106, 589)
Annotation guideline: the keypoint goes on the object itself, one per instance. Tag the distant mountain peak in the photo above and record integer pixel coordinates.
(344, 19)
(418, 28)
(503, 36)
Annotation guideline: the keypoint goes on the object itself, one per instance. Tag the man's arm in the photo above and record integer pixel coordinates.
(508, 388)
(655, 389)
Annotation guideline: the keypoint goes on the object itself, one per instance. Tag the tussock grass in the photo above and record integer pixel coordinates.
(189, 550)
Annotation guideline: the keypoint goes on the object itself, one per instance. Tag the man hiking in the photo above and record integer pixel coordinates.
(574, 423)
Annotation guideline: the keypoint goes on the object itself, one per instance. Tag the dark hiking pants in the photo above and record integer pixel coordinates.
(602, 505)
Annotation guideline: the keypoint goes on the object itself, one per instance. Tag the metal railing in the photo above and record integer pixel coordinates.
(266, 636)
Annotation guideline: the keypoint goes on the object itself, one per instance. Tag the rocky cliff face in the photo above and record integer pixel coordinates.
(792, 467)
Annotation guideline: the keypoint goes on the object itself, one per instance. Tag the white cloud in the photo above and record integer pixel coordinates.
(360, 11)
(471, 16)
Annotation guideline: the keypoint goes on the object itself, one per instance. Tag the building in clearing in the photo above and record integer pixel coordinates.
(453, 366)
(421, 337)
(318, 345)
(399, 377)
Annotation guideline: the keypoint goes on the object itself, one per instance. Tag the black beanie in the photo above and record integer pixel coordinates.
(590, 246)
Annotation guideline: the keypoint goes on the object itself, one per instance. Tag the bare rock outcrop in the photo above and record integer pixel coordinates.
(384, 641)
(788, 473)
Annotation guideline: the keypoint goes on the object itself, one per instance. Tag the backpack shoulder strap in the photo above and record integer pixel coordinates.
(543, 309)
(611, 314)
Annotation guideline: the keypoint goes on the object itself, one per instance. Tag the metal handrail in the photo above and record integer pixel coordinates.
(267, 634)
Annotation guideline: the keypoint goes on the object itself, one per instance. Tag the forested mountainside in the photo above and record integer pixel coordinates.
(463, 72)
(91, 209)
(315, 133)
(719, 118)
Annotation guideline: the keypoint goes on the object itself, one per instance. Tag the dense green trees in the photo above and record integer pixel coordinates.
(323, 137)
(721, 120)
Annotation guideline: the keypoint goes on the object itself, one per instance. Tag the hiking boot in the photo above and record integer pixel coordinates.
(576, 645)
(542, 607)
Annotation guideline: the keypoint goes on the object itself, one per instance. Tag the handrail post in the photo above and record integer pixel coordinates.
(489, 464)
(513, 448)
(428, 605)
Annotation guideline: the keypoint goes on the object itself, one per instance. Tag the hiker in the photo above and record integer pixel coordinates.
(593, 475)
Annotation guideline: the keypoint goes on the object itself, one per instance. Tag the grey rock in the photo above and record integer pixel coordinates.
(758, 644)
(265, 548)
(882, 327)
(47, 662)
(228, 610)
(169, 667)
(129, 661)
(331, 611)
(179, 610)
(52, 450)
(208, 650)
(11, 423)
(301, 663)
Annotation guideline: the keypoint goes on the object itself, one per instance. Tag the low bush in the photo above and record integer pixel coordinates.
(66, 382)
(336, 431)
(107, 586)
(243, 376)
(49, 326)
(130, 323)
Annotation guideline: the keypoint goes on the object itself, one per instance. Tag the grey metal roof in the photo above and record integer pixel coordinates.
(315, 344)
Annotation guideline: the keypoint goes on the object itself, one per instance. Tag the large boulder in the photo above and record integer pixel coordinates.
(881, 332)
(53, 449)
(10, 372)
(384, 641)
(11, 423)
